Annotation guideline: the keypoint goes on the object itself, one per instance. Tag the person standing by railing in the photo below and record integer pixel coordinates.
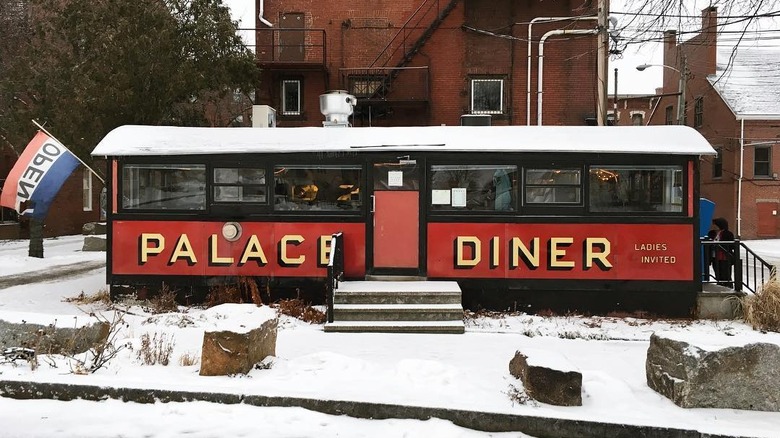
(724, 253)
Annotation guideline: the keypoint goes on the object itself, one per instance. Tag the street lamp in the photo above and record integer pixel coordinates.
(683, 83)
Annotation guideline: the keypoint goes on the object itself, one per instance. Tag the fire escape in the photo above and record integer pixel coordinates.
(390, 80)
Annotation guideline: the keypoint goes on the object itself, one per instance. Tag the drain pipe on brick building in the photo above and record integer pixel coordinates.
(261, 12)
(528, 70)
(541, 63)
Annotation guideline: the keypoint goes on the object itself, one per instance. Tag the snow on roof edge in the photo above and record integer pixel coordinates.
(134, 140)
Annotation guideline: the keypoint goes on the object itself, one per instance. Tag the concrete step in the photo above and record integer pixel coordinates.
(397, 312)
(453, 327)
(392, 297)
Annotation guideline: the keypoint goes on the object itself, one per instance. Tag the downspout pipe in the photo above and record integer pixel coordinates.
(741, 174)
(260, 13)
(540, 75)
(528, 70)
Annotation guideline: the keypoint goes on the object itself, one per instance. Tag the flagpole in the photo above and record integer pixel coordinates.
(77, 157)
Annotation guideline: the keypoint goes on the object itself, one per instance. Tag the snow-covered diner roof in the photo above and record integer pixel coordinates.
(166, 140)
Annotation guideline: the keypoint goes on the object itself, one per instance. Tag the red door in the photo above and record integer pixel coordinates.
(396, 215)
(767, 219)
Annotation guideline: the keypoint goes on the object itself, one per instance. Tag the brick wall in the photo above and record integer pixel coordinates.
(356, 32)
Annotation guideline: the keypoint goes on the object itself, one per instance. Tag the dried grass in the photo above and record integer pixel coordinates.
(296, 308)
(188, 359)
(155, 349)
(101, 296)
(762, 310)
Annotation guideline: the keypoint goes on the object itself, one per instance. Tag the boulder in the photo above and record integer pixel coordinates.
(734, 372)
(51, 339)
(237, 344)
(94, 243)
(548, 377)
(92, 228)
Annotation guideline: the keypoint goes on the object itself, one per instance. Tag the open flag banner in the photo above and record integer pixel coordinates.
(37, 176)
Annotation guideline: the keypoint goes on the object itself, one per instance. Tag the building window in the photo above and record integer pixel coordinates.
(239, 185)
(164, 187)
(553, 186)
(291, 97)
(365, 86)
(473, 187)
(86, 190)
(637, 119)
(698, 112)
(317, 188)
(761, 161)
(620, 189)
(670, 115)
(487, 96)
(717, 164)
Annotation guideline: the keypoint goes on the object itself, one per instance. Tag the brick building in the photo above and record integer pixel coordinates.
(733, 98)
(428, 62)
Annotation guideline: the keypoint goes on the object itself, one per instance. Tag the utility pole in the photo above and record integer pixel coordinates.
(602, 63)
(681, 96)
(614, 101)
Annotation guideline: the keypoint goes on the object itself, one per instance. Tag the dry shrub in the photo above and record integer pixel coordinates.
(762, 310)
(188, 359)
(155, 349)
(165, 301)
(296, 308)
(101, 296)
(245, 291)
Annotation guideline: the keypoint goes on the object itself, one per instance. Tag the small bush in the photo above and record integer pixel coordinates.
(245, 291)
(188, 359)
(165, 301)
(762, 310)
(296, 308)
(155, 349)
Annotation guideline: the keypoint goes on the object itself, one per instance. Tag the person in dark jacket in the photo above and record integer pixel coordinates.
(724, 253)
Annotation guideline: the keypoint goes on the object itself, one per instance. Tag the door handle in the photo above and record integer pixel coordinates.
(373, 204)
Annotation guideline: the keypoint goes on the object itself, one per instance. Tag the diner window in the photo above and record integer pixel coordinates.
(164, 186)
(473, 187)
(761, 162)
(291, 97)
(670, 120)
(636, 189)
(317, 188)
(239, 184)
(717, 164)
(553, 186)
(487, 96)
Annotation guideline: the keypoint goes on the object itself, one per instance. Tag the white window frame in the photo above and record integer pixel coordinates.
(474, 83)
(291, 111)
(640, 113)
(86, 190)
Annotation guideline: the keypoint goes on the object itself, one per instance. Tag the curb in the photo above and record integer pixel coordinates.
(541, 427)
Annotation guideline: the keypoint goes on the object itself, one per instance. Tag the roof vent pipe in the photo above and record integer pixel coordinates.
(337, 106)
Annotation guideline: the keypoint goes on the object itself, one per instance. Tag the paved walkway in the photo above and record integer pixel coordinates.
(50, 274)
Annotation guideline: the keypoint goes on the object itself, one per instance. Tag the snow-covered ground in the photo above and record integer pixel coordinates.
(468, 371)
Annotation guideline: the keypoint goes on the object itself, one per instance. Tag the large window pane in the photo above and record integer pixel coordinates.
(473, 187)
(329, 188)
(291, 97)
(553, 186)
(761, 163)
(164, 186)
(636, 188)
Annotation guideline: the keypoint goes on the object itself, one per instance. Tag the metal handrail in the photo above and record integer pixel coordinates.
(751, 271)
(335, 271)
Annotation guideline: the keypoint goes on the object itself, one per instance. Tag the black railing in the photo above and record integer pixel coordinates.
(335, 271)
(751, 272)
(291, 46)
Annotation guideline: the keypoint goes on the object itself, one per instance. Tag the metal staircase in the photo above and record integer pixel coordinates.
(409, 39)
